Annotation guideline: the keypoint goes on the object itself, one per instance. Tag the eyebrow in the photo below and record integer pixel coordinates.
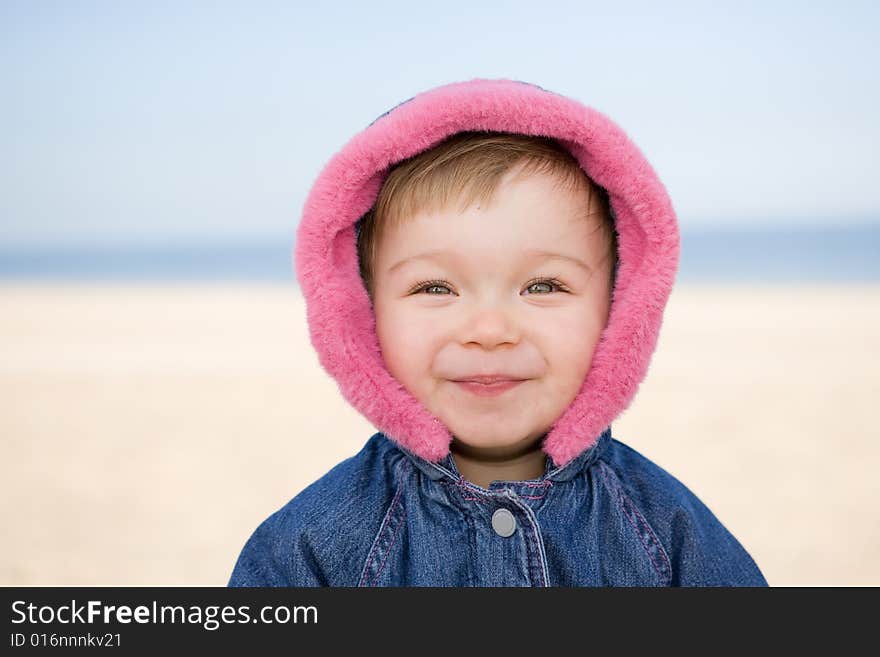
(534, 253)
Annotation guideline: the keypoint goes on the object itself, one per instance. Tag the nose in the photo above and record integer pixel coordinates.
(489, 326)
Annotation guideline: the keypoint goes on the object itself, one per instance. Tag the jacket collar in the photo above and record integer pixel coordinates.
(445, 469)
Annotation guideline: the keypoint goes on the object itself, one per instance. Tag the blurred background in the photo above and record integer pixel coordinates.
(159, 396)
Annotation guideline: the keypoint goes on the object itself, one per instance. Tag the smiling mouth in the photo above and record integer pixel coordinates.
(489, 389)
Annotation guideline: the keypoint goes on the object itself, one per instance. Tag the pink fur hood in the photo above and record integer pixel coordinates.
(339, 313)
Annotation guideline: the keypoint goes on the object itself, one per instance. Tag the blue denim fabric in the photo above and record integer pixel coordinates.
(386, 517)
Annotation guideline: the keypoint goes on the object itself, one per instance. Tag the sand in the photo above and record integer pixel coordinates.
(147, 429)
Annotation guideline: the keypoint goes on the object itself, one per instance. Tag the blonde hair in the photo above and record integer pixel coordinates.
(468, 167)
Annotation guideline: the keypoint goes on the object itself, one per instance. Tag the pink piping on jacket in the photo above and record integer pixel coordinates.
(339, 314)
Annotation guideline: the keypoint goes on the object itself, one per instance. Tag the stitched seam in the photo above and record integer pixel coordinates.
(375, 547)
(388, 551)
(624, 503)
(628, 504)
(630, 521)
(537, 541)
(650, 531)
(467, 488)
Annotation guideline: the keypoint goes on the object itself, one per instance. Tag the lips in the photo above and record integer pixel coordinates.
(488, 379)
(489, 389)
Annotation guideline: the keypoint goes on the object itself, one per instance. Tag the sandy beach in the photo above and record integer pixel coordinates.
(147, 429)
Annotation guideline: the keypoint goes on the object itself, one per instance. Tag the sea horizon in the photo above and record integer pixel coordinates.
(842, 253)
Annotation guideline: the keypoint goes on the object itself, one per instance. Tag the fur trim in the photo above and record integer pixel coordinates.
(340, 317)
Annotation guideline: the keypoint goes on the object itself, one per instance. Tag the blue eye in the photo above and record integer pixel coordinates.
(427, 285)
(552, 282)
(539, 283)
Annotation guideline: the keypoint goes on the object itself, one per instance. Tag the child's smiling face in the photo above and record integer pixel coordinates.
(491, 307)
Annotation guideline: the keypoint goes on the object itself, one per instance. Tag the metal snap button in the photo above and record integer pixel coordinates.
(503, 522)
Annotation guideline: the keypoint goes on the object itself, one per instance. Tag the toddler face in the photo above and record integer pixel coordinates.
(488, 291)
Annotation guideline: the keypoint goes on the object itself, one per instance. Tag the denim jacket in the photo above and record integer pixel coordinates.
(386, 517)
(398, 512)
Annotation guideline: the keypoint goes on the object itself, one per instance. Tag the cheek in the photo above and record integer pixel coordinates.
(568, 342)
(404, 343)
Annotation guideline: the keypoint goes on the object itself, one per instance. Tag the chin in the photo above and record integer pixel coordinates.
(491, 439)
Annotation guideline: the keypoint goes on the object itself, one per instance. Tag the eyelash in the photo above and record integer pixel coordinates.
(418, 287)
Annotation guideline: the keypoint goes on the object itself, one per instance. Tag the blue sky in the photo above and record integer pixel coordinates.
(166, 121)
